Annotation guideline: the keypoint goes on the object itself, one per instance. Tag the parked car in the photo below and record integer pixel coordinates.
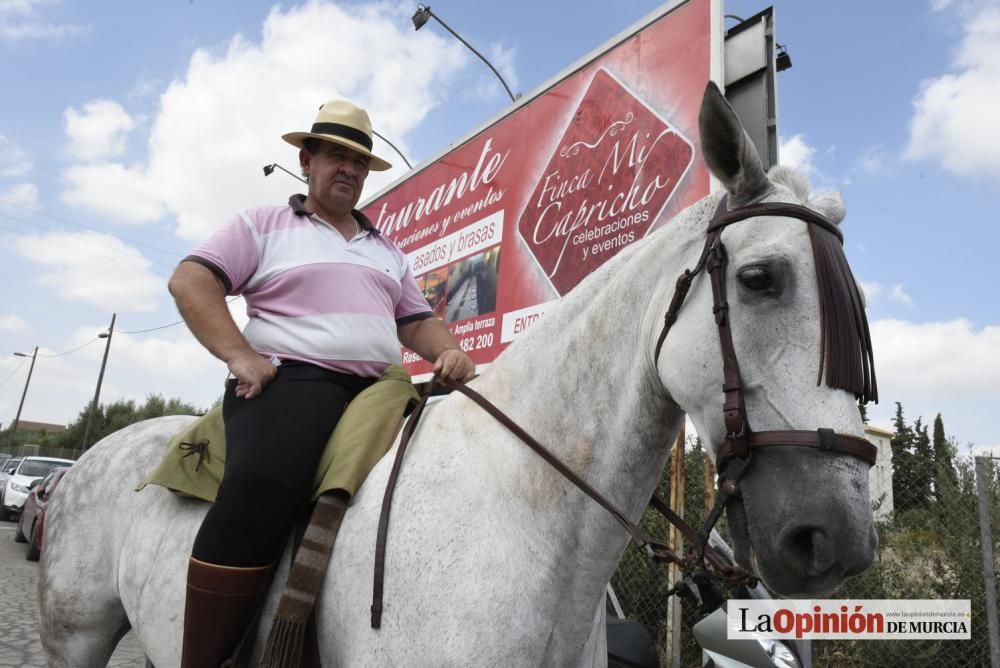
(32, 520)
(15, 490)
(5, 472)
(4, 458)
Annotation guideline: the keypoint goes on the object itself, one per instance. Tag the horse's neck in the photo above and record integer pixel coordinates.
(584, 385)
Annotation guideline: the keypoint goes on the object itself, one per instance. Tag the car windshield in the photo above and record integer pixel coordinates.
(36, 468)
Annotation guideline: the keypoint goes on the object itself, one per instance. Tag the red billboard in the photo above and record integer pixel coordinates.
(519, 213)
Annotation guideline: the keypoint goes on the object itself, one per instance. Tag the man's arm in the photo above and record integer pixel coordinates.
(201, 300)
(431, 339)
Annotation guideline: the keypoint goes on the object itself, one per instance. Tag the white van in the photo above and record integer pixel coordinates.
(18, 484)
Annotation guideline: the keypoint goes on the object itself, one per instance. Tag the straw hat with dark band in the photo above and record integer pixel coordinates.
(343, 123)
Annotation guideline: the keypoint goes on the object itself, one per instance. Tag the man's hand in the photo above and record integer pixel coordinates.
(454, 365)
(252, 373)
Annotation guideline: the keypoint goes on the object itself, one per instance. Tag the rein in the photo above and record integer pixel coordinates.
(656, 550)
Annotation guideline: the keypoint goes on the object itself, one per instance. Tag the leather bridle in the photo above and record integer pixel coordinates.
(734, 455)
(740, 438)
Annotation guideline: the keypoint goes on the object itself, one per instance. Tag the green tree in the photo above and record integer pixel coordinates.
(945, 478)
(902, 462)
(923, 465)
(109, 418)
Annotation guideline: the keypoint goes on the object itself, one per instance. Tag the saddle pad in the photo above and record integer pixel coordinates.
(195, 458)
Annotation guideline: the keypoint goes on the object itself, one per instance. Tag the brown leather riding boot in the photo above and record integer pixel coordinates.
(219, 605)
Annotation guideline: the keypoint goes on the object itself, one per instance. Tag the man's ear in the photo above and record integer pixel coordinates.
(304, 158)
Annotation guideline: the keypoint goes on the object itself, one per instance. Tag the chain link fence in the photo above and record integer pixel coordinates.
(929, 548)
(42, 451)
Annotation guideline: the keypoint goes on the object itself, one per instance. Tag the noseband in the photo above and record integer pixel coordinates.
(740, 438)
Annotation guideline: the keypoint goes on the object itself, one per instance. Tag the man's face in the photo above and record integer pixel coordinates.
(336, 176)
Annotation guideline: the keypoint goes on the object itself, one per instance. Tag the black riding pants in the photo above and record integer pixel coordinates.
(273, 445)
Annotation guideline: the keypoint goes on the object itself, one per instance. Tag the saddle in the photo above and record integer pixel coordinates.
(195, 459)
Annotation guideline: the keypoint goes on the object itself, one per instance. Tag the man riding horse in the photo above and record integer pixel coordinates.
(329, 299)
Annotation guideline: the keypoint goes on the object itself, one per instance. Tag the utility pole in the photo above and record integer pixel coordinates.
(13, 429)
(100, 378)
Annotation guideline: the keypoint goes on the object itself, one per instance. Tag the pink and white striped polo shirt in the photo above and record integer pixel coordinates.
(312, 295)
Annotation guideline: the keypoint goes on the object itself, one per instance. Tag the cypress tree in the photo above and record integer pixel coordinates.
(923, 464)
(902, 463)
(945, 478)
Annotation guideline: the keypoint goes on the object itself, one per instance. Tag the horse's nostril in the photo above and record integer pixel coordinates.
(811, 547)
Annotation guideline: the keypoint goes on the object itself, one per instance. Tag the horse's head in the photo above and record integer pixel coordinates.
(802, 516)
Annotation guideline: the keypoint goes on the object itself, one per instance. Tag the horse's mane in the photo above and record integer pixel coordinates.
(797, 182)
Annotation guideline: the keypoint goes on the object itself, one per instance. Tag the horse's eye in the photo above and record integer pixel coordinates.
(756, 278)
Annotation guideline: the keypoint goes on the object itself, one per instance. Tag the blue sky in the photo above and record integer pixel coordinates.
(130, 130)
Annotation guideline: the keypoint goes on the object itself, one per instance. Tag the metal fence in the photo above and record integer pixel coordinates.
(28, 450)
(641, 585)
(932, 545)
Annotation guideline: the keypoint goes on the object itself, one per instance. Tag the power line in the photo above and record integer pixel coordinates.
(96, 338)
(83, 250)
(11, 375)
(151, 329)
(72, 222)
(87, 241)
(173, 324)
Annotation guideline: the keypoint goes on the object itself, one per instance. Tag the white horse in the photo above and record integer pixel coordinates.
(493, 557)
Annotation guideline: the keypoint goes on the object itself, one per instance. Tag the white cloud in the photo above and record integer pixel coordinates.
(22, 20)
(874, 290)
(871, 290)
(873, 161)
(489, 87)
(222, 121)
(96, 268)
(23, 31)
(20, 195)
(796, 154)
(957, 116)
(939, 367)
(238, 311)
(13, 323)
(169, 362)
(898, 294)
(14, 162)
(20, 7)
(123, 194)
(99, 131)
(503, 59)
(947, 359)
(167, 358)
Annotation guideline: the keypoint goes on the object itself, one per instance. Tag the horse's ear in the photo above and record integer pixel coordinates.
(728, 151)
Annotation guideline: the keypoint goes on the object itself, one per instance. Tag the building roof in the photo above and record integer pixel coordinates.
(881, 431)
(46, 427)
